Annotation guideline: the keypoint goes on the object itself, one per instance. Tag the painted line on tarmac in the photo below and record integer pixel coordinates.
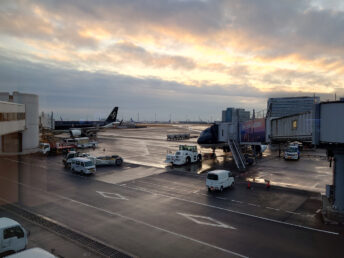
(112, 195)
(143, 189)
(292, 212)
(270, 208)
(134, 220)
(252, 204)
(212, 206)
(24, 162)
(208, 221)
(224, 199)
(237, 212)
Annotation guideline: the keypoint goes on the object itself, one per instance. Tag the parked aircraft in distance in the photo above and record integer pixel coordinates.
(87, 128)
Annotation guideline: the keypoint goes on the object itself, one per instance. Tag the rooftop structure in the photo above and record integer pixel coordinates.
(278, 107)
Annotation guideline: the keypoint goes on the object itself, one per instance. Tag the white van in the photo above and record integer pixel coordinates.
(292, 152)
(83, 165)
(13, 237)
(219, 179)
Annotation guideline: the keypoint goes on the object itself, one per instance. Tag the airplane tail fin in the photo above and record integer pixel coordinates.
(113, 115)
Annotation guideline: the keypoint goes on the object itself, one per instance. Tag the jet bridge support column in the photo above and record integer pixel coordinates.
(338, 180)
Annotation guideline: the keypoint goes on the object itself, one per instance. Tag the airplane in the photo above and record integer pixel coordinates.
(87, 128)
(209, 139)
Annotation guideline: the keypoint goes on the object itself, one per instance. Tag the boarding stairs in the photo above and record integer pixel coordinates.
(237, 154)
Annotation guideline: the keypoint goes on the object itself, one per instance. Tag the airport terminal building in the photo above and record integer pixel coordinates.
(19, 123)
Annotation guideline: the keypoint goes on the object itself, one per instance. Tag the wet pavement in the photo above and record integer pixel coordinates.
(158, 211)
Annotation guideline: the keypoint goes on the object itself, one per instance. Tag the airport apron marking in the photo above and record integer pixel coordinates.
(112, 195)
(202, 220)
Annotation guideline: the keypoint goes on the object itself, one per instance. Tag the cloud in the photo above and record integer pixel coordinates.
(76, 94)
(132, 53)
(80, 94)
(171, 53)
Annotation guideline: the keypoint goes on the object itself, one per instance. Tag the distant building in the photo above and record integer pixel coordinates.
(19, 130)
(47, 121)
(278, 107)
(233, 114)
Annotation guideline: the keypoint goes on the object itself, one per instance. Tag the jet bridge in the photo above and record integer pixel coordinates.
(328, 132)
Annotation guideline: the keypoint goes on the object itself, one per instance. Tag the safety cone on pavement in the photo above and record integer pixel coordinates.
(268, 184)
(249, 185)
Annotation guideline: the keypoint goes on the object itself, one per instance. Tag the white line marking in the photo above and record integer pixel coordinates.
(221, 198)
(236, 201)
(213, 222)
(293, 212)
(203, 194)
(272, 208)
(241, 213)
(217, 207)
(252, 204)
(112, 195)
(138, 221)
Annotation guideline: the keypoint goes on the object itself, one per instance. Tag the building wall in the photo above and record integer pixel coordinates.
(19, 122)
(46, 121)
(31, 134)
(11, 117)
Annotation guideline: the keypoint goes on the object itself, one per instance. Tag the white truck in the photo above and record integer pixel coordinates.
(67, 159)
(84, 142)
(13, 237)
(113, 160)
(219, 180)
(185, 155)
(292, 152)
(83, 165)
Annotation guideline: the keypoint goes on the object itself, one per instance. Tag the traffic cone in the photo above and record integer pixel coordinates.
(268, 185)
(249, 185)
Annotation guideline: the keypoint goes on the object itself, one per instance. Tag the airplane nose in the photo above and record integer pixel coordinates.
(205, 137)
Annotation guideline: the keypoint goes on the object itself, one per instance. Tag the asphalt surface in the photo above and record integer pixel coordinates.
(43, 238)
(171, 214)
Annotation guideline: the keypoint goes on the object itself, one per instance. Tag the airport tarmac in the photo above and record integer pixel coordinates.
(156, 211)
(148, 147)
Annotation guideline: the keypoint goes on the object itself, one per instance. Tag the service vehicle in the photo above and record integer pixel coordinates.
(113, 160)
(55, 147)
(67, 159)
(176, 137)
(84, 142)
(185, 155)
(13, 237)
(219, 180)
(83, 165)
(292, 152)
(35, 252)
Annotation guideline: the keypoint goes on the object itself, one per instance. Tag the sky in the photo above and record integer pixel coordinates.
(184, 59)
